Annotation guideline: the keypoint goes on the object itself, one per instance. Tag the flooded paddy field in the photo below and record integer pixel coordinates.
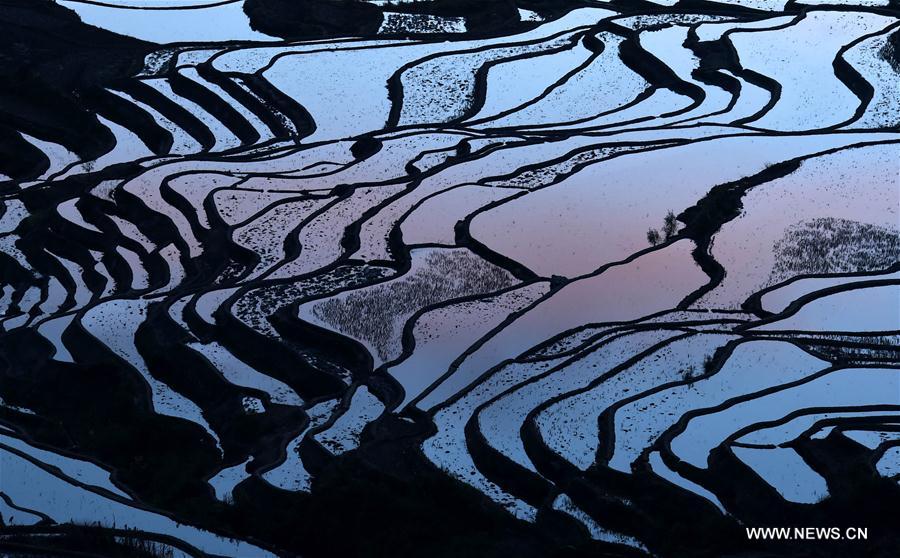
(448, 278)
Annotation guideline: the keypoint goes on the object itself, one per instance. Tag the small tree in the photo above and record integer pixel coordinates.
(670, 225)
(653, 237)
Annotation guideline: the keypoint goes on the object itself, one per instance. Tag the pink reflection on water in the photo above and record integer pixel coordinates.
(652, 283)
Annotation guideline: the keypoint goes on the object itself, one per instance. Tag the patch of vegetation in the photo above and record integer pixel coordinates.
(669, 229)
(296, 19)
(371, 314)
(95, 539)
(830, 245)
(256, 306)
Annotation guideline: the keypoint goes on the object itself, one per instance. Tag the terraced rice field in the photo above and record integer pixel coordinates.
(422, 279)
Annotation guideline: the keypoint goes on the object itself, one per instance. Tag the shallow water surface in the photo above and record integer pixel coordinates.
(572, 273)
